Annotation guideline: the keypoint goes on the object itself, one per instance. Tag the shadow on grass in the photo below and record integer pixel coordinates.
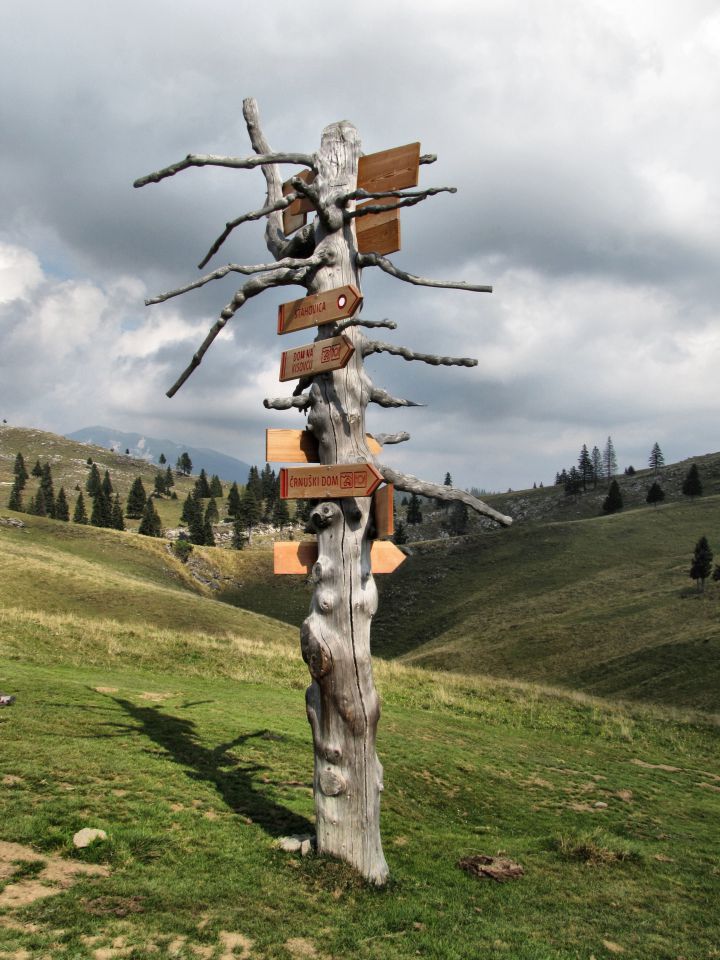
(233, 779)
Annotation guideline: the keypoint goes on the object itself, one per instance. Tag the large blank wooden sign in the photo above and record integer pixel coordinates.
(298, 557)
(300, 446)
(336, 304)
(321, 356)
(378, 232)
(333, 481)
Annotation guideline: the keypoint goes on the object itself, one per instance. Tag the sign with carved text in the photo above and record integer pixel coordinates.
(333, 481)
(295, 557)
(337, 304)
(301, 446)
(318, 357)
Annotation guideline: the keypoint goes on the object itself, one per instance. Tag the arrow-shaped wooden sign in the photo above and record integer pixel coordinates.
(333, 481)
(301, 446)
(337, 304)
(318, 357)
(298, 557)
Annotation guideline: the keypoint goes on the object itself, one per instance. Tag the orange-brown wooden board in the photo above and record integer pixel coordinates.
(394, 169)
(378, 232)
(300, 446)
(384, 507)
(318, 357)
(325, 307)
(330, 480)
(295, 557)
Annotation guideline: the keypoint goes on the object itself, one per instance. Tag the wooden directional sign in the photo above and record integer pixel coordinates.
(301, 446)
(294, 216)
(331, 481)
(378, 232)
(319, 357)
(394, 169)
(384, 509)
(320, 308)
(298, 558)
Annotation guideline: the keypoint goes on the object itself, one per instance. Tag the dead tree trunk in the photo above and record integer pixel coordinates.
(342, 704)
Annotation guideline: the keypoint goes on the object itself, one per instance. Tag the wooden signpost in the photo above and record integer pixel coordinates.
(336, 480)
(297, 557)
(333, 391)
(322, 356)
(336, 304)
(301, 446)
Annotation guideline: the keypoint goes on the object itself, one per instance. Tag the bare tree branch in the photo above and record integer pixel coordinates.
(359, 322)
(404, 481)
(428, 158)
(384, 399)
(375, 260)
(289, 263)
(236, 163)
(405, 199)
(274, 234)
(245, 218)
(385, 438)
(250, 289)
(377, 346)
(287, 403)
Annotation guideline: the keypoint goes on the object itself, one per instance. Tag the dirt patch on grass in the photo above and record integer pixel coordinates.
(10, 780)
(656, 766)
(298, 948)
(55, 875)
(155, 697)
(236, 946)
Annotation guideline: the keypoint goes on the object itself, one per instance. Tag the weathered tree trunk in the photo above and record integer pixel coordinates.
(342, 705)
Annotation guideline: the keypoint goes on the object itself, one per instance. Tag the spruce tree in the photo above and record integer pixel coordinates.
(196, 524)
(107, 485)
(457, 521)
(15, 501)
(692, 486)
(655, 494)
(208, 535)
(254, 483)
(597, 465)
(657, 460)
(249, 510)
(585, 467)
(37, 504)
(573, 482)
(701, 563)
(117, 521)
(20, 472)
(94, 481)
(150, 525)
(159, 483)
(216, 489)
(46, 485)
(162, 459)
(414, 513)
(190, 508)
(239, 537)
(400, 535)
(102, 509)
(211, 511)
(37, 469)
(137, 498)
(233, 504)
(62, 511)
(267, 482)
(280, 513)
(609, 459)
(169, 480)
(202, 486)
(613, 501)
(184, 464)
(303, 509)
(80, 514)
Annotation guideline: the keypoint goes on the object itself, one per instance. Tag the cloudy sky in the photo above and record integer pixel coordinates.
(582, 137)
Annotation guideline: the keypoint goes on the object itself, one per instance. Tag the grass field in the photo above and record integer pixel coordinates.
(176, 724)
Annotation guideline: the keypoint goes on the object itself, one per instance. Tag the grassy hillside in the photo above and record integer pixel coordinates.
(603, 605)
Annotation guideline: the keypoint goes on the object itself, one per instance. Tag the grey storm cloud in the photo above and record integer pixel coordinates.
(579, 136)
